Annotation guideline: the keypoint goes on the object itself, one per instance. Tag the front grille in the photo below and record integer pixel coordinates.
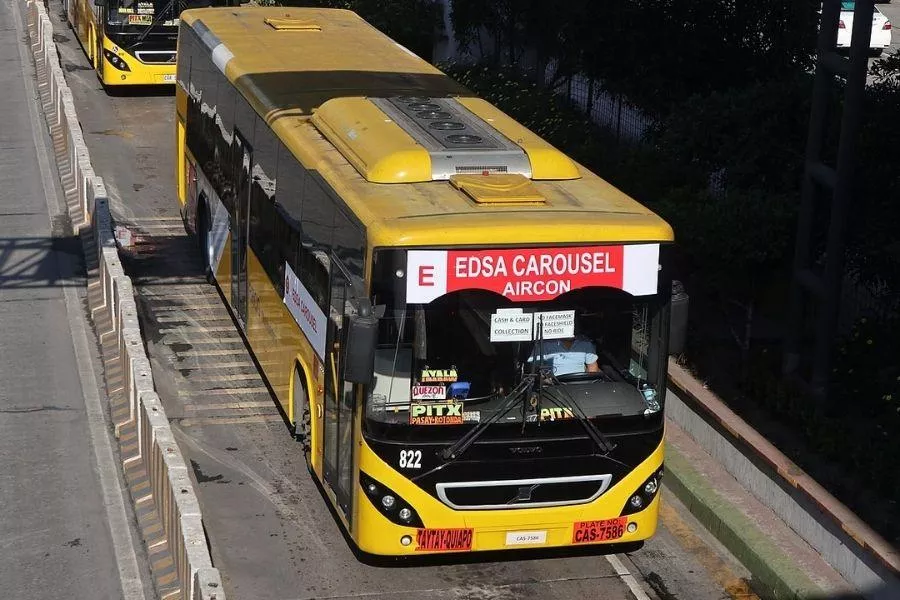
(522, 493)
(156, 57)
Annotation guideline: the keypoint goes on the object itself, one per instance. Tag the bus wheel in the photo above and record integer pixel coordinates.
(302, 418)
(203, 241)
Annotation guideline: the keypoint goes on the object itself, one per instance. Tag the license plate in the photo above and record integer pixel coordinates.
(586, 532)
(169, 77)
(443, 540)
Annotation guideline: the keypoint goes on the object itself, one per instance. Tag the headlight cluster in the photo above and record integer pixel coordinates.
(389, 503)
(116, 61)
(643, 496)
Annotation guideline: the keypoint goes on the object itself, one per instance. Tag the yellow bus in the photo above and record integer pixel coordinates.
(129, 42)
(466, 329)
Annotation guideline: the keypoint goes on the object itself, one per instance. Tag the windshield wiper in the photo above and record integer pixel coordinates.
(592, 430)
(463, 443)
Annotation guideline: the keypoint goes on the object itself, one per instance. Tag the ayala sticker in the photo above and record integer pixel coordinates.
(524, 274)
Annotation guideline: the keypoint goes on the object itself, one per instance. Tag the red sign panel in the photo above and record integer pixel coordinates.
(443, 540)
(586, 532)
(530, 274)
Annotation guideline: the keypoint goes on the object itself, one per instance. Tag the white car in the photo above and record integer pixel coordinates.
(881, 28)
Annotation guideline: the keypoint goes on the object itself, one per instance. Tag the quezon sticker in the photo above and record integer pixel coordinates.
(429, 392)
(438, 376)
(443, 540)
(438, 413)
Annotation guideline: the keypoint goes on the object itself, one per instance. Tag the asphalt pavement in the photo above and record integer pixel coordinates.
(65, 527)
(271, 533)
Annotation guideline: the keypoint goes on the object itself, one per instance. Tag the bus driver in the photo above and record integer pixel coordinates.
(569, 355)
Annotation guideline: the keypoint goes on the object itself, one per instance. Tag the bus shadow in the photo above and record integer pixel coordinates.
(140, 91)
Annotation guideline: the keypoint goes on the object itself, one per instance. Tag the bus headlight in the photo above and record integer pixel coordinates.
(389, 503)
(644, 495)
(115, 61)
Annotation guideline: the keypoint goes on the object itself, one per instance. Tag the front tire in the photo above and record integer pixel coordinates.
(302, 416)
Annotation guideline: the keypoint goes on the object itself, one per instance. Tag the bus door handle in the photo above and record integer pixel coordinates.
(318, 410)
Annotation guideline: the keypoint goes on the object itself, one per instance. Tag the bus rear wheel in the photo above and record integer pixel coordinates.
(203, 226)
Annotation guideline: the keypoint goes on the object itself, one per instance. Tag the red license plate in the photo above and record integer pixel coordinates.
(443, 540)
(586, 532)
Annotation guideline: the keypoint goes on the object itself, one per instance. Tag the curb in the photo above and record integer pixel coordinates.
(775, 575)
(844, 541)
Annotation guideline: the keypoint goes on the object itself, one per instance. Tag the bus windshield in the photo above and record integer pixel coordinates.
(451, 361)
(138, 15)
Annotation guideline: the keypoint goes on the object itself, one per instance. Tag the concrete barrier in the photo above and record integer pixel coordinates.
(170, 487)
(850, 546)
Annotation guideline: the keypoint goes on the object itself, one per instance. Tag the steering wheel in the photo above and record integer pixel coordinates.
(581, 377)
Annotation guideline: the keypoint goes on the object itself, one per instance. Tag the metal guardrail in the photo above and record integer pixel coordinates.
(170, 487)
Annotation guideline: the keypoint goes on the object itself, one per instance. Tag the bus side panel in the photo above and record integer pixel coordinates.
(180, 147)
(278, 344)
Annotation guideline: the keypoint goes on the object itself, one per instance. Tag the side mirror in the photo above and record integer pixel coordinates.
(359, 357)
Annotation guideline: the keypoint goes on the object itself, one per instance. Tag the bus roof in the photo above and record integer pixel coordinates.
(324, 80)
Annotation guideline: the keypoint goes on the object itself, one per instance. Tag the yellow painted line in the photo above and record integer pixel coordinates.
(213, 352)
(736, 587)
(225, 391)
(192, 422)
(230, 406)
(233, 377)
(204, 368)
(197, 318)
(169, 307)
(199, 329)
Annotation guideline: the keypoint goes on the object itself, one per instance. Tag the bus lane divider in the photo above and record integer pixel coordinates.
(159, 482)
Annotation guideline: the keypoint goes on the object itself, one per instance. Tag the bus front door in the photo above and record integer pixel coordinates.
(239, 226)
(339, 406)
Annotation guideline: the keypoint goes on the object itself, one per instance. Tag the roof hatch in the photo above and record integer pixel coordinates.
(405, 139)
(497, 189)
(287, 23)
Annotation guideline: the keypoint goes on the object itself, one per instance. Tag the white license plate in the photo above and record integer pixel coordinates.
(525, 538)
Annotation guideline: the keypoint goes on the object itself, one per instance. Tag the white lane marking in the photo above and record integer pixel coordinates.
(107, 469)
(626, 576)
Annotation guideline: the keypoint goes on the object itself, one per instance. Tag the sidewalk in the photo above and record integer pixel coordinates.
(55, 537)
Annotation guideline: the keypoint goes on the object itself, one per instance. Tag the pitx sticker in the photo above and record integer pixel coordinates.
(439, 375)
(436, 413)
(556, 413)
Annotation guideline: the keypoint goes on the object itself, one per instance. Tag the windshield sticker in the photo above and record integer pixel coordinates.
(437, 540)
(472, 416)
(429, 392)
(512, 325)
(140, 19)
(443, 413)
(556, 413)
(305, 311)
(532, 274)
(145, 8)
(438, 376)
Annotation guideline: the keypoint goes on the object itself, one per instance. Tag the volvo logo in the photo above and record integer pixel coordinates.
(523, 494)
(524, 450)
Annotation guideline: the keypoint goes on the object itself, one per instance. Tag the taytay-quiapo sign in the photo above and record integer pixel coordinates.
(531, 274)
